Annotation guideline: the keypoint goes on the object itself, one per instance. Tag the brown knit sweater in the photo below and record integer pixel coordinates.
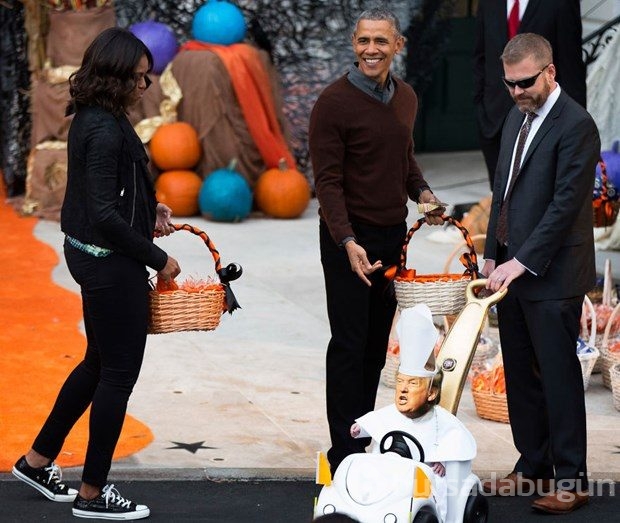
(362, 156)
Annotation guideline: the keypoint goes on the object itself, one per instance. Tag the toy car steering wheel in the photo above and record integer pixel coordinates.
(399, 445)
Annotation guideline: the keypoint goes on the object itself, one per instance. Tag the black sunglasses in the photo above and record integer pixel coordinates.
(526, 82)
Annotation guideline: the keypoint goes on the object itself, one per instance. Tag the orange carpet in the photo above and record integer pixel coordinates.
(40, 343)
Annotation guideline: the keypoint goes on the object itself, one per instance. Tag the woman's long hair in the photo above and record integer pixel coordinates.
(106, 76)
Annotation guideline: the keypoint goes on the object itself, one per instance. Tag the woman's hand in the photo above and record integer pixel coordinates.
(170, 271)
(163, 227)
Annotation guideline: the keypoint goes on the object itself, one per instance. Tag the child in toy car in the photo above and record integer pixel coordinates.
(415, 411)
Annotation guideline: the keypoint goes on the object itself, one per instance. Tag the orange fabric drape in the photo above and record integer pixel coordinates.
(252, 87)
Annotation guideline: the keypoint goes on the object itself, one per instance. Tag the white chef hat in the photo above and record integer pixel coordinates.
(417, 336)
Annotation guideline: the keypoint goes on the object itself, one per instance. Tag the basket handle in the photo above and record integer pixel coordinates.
(610, 321)
(226, 274)
(457, 249)
(468, 259)
(587, 304)
(607, 283)
(205, 238)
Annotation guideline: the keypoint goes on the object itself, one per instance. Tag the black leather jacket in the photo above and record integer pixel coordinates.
(110, 199)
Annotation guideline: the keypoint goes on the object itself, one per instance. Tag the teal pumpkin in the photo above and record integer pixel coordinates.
(219, 22)
(225, 196)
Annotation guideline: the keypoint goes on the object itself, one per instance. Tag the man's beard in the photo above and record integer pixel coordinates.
(531, 103)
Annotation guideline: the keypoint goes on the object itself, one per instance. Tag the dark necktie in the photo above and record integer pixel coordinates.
(501, 233)
(513, 20)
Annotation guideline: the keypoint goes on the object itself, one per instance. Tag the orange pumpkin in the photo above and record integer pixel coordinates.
(179, 191)
(282, 192)
(175, 146)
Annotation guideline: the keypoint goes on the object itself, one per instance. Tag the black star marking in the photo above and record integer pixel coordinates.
(190, 447)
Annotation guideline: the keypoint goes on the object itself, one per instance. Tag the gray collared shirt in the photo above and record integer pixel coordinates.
(361, 81)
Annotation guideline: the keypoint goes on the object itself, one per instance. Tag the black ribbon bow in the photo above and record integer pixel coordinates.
(227, 274)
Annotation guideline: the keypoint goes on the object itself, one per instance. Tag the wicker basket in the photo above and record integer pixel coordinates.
(606, 299)
(388, 374)
(608, 359)
(491, 406)
(604, 209)
(443, 293)
(614, 376)
(179, 310)
(485, 352)
(587, 360)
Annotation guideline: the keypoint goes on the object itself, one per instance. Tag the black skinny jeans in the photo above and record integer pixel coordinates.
(360, 318)
(115, 305)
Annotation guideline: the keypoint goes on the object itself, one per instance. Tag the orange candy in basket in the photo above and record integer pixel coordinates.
(499, 380)
(614, 346)
(602, 314)
(189, 285)
(491, 381)
(166, 286)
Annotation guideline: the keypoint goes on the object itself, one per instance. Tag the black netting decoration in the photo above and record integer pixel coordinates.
(309, 42)
(15, 125)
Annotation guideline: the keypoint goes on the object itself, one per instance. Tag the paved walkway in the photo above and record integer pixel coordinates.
(261, 502)
(247, 400)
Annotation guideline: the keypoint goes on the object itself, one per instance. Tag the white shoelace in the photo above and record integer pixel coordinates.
(113, 497)
(55, 473)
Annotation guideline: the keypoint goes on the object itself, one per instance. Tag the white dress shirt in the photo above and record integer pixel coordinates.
(522, 7)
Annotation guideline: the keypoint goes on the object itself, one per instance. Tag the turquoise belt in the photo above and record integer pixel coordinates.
(88, 248)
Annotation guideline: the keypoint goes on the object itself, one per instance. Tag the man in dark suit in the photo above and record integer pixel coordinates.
(559, 21)
(540, 246)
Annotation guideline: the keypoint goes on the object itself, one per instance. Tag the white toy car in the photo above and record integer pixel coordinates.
(393, 484)
(395, 487)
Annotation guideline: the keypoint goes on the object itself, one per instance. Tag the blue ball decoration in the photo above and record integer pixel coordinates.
(225, 196)
(161, 41)
(219, 22)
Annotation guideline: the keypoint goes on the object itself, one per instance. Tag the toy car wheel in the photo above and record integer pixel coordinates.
(476, 508)
(425, 515)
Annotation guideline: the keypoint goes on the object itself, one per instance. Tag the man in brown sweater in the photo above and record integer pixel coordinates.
(361, 147)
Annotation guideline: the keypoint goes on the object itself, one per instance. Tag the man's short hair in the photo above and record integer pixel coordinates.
(379, 13)
(527, 44)
(436, 383)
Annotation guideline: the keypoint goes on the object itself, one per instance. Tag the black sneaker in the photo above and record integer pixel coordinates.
(46, 480)
(110, 505)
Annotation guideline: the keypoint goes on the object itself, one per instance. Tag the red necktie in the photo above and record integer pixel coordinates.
(513, 20)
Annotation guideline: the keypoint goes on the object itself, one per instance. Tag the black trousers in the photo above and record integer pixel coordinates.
(115, 305)
(545, 387)
(360, 318)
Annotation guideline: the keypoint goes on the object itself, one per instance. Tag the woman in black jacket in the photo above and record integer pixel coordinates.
(109, 217)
